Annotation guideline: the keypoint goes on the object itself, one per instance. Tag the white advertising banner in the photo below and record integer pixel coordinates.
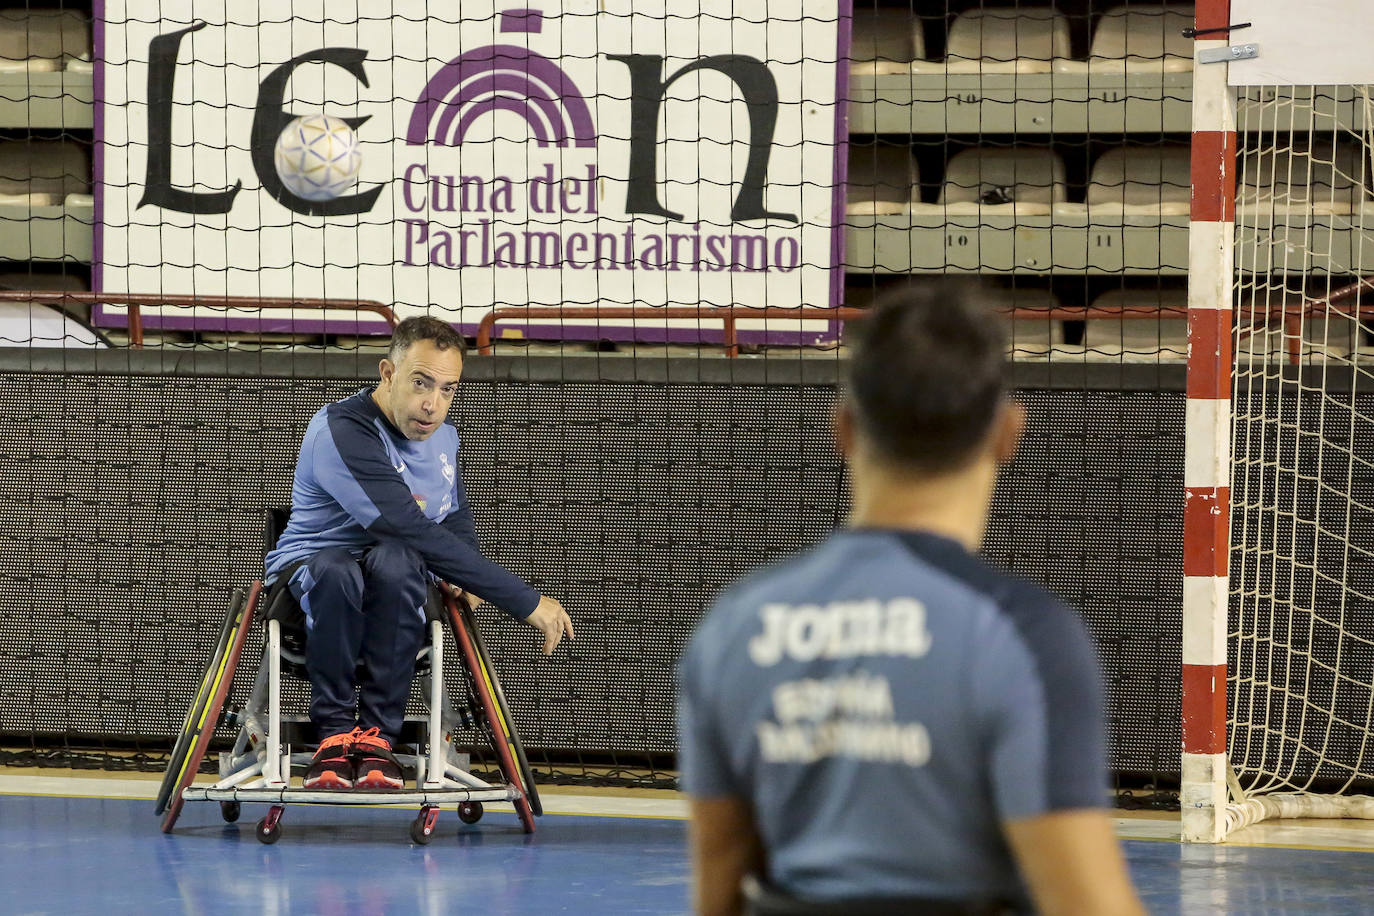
(579, 153)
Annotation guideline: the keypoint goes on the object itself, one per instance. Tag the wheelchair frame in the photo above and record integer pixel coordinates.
(258, 767)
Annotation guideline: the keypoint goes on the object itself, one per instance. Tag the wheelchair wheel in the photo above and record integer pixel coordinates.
(205, 723)
(176, 762)
(493, 720)
(422, 828)
(268, 829)
(503, 710)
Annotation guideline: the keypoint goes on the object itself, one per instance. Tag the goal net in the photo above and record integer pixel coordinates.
(1300, 635)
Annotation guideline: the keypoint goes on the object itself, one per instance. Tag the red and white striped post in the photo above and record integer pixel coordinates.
(1207, 449)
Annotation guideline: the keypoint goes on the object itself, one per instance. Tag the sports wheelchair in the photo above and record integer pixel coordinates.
(260, 765)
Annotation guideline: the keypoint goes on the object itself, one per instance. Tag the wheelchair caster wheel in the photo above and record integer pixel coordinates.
(422, 828)
(230, 811)
(470, 812)
(269, 828)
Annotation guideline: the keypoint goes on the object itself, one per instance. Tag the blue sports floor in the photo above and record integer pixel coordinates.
(74, 856)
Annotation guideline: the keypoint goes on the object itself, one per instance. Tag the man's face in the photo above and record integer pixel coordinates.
(415, 393)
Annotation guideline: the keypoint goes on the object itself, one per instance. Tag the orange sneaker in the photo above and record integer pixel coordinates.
(375, 766)
(332, 767)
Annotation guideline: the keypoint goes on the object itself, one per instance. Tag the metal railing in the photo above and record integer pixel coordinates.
(728, 315)
(135, 302)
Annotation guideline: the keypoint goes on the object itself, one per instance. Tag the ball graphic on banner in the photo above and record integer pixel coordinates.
(318, 157)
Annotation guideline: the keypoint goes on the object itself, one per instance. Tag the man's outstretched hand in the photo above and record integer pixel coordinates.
(550, 619)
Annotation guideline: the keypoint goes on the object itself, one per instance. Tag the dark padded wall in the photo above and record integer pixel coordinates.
(133, 507)
(1093, 509)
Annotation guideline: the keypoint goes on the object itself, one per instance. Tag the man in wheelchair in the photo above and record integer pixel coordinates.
(378, 511)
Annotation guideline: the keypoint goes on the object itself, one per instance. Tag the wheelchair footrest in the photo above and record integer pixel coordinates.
(351, 797)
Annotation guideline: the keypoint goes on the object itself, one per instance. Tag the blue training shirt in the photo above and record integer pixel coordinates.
(358, 480)
(883, 703)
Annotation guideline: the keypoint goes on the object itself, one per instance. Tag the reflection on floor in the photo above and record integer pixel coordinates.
(78, 856)
(602, 853)
(1332, 835)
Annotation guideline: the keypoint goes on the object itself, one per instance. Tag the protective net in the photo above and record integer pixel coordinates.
(655, 220)
(1301, 675)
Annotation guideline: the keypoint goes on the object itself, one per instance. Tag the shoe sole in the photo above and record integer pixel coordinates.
(375, 779)
(328, 780)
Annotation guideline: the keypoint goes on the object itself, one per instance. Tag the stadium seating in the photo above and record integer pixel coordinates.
(885, 41)
(986, 181)
(42, 173)
(1140, 335)
(1138, 38)
(1137, 181)
(37, 41)
(1032, 337)
(1023, 40)
(1267, 335)
(1324, 180)
(1333, 333)
(883, 180)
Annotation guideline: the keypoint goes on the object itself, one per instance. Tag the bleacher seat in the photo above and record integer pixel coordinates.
(1324, 179)
(42, 173)
(885, 41)
(1019, 180)
(1138, 38)
(1331, 333)
(1260, 339)
(1024, 40)
(1259, 343)
(1138, 181)
(1032, 337)
(37, 41)
(1141, 335)
(883, 179)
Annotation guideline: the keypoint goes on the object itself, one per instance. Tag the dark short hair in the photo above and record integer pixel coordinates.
(422, 327)
(927, 373)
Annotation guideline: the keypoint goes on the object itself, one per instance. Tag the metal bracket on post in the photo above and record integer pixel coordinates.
(1226, 55)
(1233, 27)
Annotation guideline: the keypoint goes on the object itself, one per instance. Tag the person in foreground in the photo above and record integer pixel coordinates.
(378, 509)
(885, 724)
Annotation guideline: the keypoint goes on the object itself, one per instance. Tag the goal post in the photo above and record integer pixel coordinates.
(1278, 607)
(1206, 475)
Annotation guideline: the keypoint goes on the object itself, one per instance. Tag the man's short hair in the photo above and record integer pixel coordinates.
(927, 373)
(422, 327)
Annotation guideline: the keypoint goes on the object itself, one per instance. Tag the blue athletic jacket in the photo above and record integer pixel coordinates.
(359, 480)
